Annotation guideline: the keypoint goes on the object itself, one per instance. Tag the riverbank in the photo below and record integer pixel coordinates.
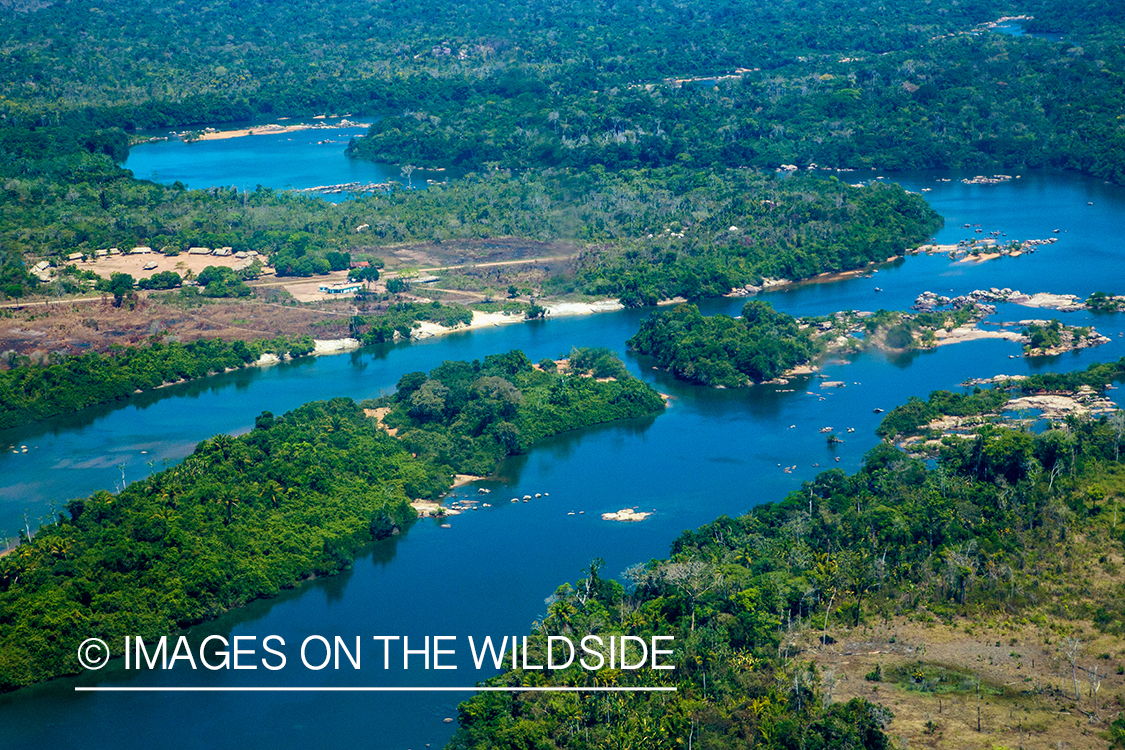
(426, 329)
(970, 332)
(270, 129)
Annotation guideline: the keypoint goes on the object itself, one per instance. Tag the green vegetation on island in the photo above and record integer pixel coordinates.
(996, 536)
(243, 518)
(723, 351)
(911, 419)
(1105, 302)
(763, 344)
(467, 416)
(1045, 339)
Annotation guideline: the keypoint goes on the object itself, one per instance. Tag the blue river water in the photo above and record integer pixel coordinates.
(712, 452)
(295, 160)
(1015, 29)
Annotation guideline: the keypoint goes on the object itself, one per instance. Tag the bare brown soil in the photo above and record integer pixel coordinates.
(462, 252)
(93, 324)
(134, 264)
(378, 415)
(1027, 695)
(75, 327)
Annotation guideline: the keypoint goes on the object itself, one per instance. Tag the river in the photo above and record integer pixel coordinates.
(294, 160)
(712, 452)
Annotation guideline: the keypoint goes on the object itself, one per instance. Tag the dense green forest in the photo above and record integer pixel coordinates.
(466, 416)
(721, 350)
(648, 135)
(976, 101)
(696, 91)
(239, 519)
(246, 517)
(648, 234)
(29, 393)
(340, 56)
(982, 532)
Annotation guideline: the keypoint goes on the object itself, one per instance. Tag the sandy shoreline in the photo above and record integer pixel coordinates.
(972, 333)
(979, 258)
(335, 346)
(426, 329)
(274, 129)
(559, 309)
(460, 480)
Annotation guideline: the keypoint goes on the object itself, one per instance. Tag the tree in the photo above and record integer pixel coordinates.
(120, 284)
(507, 435)
(366, 275)
(1072, 647)
(1117, 424)
(428, 402)
(692, 577)
(859, 576)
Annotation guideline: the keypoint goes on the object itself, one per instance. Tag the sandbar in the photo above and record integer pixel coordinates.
(971, 333)
(980, 258)
(273, 130)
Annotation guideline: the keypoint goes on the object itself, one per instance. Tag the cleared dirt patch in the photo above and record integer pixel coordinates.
(460, 252)
(75, 327)
(134, 265)
(928, 674)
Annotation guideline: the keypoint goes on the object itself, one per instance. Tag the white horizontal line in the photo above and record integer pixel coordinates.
(383, 689)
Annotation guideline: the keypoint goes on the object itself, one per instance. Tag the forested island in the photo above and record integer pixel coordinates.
(913, 419)
(764, 345)
(466, 418)
(246, 517)
(722, 351)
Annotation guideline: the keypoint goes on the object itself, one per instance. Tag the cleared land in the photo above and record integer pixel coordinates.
(135, 264)
(467, 272)
(928, 672)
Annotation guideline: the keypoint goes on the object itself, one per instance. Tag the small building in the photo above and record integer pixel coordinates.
(350, 288)
(223, 252)
(74, 256)
(199, 251)
(141, 250)
(359, 264)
